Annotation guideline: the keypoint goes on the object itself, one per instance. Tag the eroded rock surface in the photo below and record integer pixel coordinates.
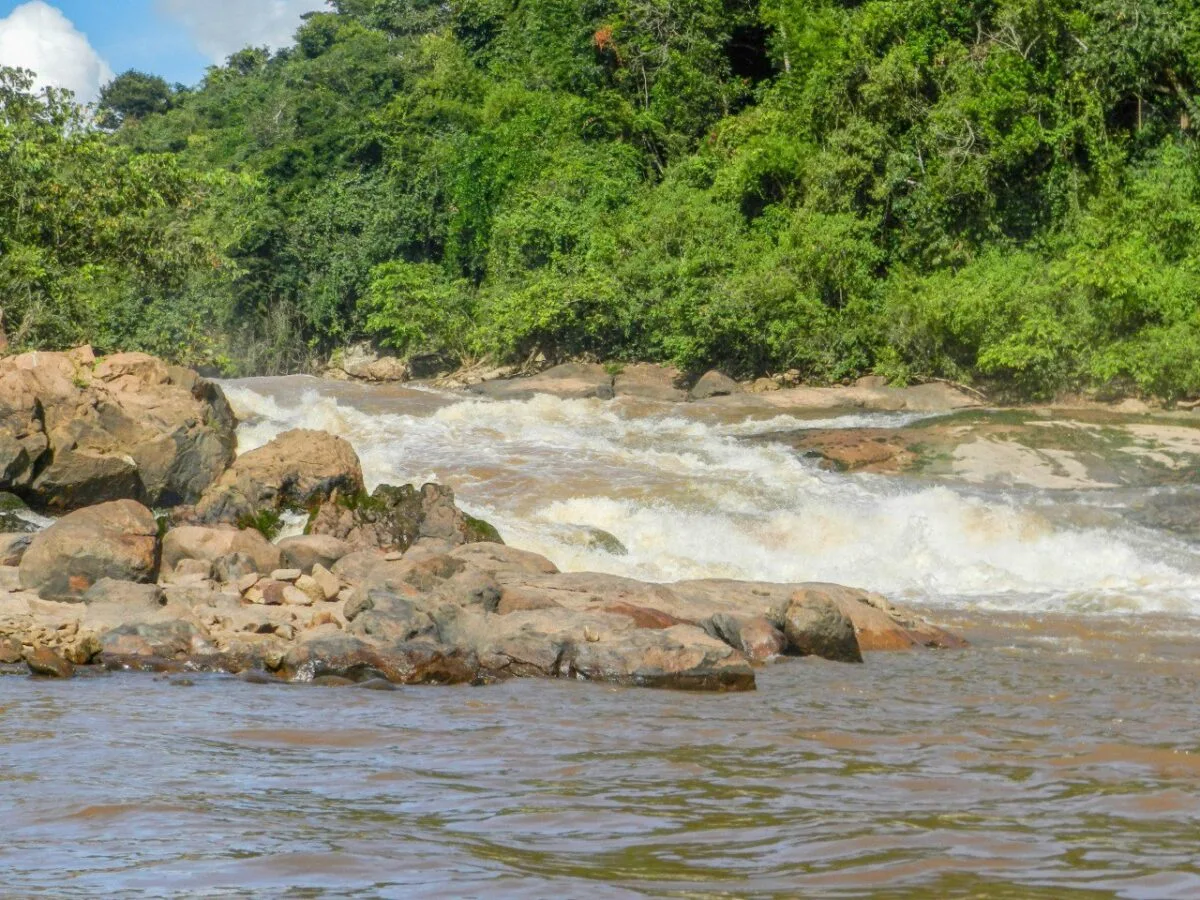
(76, 431)
(297, 470)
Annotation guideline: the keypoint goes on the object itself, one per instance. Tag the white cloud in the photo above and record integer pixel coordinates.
(222, 27)
(38, 36)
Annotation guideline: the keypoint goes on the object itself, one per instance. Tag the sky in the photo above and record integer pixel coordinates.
(81, 44)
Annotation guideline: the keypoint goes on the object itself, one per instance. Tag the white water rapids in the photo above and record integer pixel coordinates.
(690, 497)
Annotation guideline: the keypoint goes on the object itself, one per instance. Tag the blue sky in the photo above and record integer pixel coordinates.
(80, 43)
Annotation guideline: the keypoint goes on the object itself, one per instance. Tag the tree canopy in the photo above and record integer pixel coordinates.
(1002, 191)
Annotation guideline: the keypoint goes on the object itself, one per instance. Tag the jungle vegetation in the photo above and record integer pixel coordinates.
(1002, 192)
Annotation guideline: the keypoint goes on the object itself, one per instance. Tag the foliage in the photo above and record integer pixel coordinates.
(1003, 191)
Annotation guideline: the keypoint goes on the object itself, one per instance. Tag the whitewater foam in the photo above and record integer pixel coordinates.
(693, 500)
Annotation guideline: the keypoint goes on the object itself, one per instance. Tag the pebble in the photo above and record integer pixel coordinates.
(286, 574)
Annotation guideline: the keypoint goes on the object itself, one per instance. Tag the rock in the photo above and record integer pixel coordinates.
(755, 636)
(599, 539)
(396, 518)
(75, 432)
(714, 384)
(501, 558)
(312, 589)
(570, 381)
(361, 362)
(307, 550)
(247, 581)
(763, 386)
(353, 567)
(329, 583)
(129, 595)
(10, 652)
(191, 570)
(13, 548)
(297, 470)
(817, 626)
(162, 640)
(681, 657)
(233, 567)
(198, 542)
(348, 657)
(48, 664)
(650, 382)
(112, 540)
(286, 574)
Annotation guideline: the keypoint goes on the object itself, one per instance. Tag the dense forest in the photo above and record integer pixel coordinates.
(1003, 192)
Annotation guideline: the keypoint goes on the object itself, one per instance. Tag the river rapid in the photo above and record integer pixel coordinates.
(1058, 756)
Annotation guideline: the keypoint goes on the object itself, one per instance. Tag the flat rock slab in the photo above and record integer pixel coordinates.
(570, 381)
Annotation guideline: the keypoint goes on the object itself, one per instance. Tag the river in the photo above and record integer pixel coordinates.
(1058, 756)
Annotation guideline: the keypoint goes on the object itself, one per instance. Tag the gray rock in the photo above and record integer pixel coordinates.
(307, 550)
(714, 384)
(817, 626)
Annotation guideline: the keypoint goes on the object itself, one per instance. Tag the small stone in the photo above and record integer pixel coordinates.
(10, 651)
(254, 595)
(345, 594)
(330, 584)
(393, 556)
(246, 582)
(285, 631)
(293, 596)
(311, 587)
(286, 574)
(590, 635)
(48, 664)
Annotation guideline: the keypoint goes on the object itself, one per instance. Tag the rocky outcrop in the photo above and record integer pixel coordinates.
(362, 363)
(570, 381)
(297, 470)
(112, 540)
(395, 518)
(75, 431)
(438, 613)
(644, 381)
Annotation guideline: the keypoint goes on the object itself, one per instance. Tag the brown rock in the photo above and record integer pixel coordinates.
(127, 427)
(112, 540)
(10, 651)
(329, 583)
(307, 550)
(297, 470)
(714, 384)
(817, 626)
(198, 542)
(570, 381)
(650, 382)
(48, 664)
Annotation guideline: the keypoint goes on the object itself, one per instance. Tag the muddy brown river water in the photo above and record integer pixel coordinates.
(1059, 756)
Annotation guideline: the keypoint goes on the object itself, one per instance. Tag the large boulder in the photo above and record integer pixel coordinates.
(298, 470)
(75, 431)
(396, 518)
(714, 384)
(117, 540)
(307, 550)
(214, 544)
